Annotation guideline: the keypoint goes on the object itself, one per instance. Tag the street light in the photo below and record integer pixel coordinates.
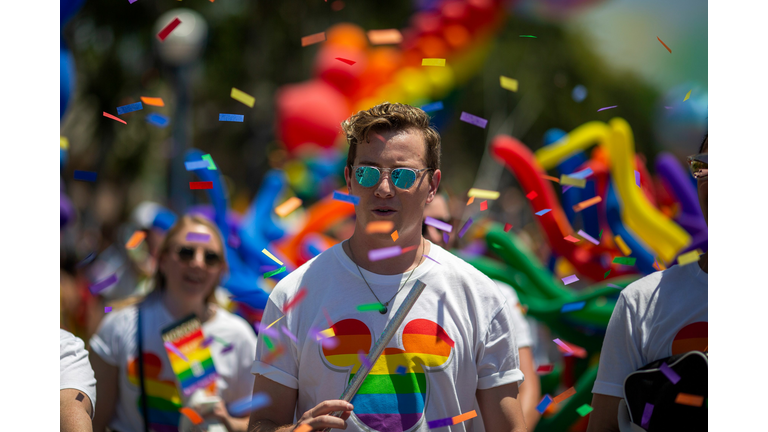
(180, 50)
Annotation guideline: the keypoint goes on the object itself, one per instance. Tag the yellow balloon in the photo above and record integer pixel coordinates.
(579, 139)
(442, 80)
(413, 83)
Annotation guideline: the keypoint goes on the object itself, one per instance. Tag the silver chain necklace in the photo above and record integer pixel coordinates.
(385, 306)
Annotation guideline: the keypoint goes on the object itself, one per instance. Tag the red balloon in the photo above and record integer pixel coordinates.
(310, 113)
(343, 76)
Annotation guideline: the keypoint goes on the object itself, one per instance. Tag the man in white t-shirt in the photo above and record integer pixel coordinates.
(456, 344)
(77, 384)
(660, 315)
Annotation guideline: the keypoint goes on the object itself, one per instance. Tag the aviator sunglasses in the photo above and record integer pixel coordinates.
(698, 165)
(402, 178)
(187, 253)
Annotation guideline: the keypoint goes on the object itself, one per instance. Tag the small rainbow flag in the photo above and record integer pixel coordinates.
(197, 369)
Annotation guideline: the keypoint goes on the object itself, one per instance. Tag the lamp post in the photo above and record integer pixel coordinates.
(180, 50)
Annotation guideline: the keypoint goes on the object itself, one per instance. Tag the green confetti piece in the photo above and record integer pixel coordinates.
(624, 260)
(274, 272)
(584, 410)
(268, 342)
(600, 236)
(530, 36)
(211, 165)
(370, 307)
(606, 274)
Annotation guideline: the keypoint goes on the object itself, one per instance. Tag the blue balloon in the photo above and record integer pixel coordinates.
(67, 80)
(68, 9)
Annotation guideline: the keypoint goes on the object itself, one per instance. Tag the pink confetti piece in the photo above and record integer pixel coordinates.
(507, 227)
(570, 279)
(427, 256)
(571, 239)
(637, 178)
(296, 300)
(176, 351)
(615, 286)
(442, 226)
(669, 373)
(384, 253)
(588, 237)
(363, 359)
(545, 369)
(263, 329)
(607, 108)
(562, 345)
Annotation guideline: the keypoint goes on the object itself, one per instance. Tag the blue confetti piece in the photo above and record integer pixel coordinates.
(581, 174)
(248, 404)
(400, 370)
(194, 165)
(89, 176)
(231, 117)
(543, 212)
(434, 106)
(347, 198)
(158, 120)
(542, 406)
(440, 423)
(125, 109)
(570, 307)
(164, 220)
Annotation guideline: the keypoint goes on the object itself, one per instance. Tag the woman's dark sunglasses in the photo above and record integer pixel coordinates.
(402, 178)
(187, 253)
(698, 165)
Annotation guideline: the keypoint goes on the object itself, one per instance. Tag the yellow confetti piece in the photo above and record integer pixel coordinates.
(688, 95)
(242, 97)
(508, 83)
(153, 101)
(313, 39)
(433, 62)
(688, 257)
(288, 206)
(622, 245)
(64, 142)
(328, 333)
(275, 322)
(385, 37)
(483, 194)
(266, 252)
(379, 227)
(576, 182)
(395, 236)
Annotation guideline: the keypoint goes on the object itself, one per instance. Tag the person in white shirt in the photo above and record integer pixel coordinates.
(77, 385)
(660, 315)
(455, 346)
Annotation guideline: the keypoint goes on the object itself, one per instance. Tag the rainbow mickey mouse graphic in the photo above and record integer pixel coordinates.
(389, 401)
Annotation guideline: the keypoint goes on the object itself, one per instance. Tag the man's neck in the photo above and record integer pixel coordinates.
(359, 244)
(703, 263)
(179, 308)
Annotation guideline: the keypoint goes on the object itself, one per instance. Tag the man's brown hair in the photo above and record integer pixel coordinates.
(388, 117)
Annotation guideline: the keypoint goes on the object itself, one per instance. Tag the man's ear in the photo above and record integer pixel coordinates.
(434, 183)
(348, 178)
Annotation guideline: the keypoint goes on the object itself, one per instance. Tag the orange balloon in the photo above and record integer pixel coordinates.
(433, 46)
(346, 35)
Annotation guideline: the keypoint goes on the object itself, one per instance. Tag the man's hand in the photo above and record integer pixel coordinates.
(319, 419)
(233, 424)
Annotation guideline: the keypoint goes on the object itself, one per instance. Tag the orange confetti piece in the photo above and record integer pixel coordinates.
(464, 417)
(385, 37)
(554, 179)
(564, 395)
(154, 101)
(379, 227)
(689, 399)
(192, 415)
(288, 206)
(665, 45)
(471, 200)
(395, 236)
(484, 206)
(135, 240)
(303, 428)
(587, 203)
(274, 354)
(312, 39)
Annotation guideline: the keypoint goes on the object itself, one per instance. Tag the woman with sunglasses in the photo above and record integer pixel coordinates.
(190, 265)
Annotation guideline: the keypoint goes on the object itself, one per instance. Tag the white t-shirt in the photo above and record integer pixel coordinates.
(523, 335)
(457, 338)
(74, 368)
(116, 342)
(660, 315)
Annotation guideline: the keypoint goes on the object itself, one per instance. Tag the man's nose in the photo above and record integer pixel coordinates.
(385, 188)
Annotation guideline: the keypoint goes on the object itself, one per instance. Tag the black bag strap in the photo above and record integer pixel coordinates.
(145, 413)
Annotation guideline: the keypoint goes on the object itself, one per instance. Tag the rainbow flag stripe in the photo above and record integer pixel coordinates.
(199, 372)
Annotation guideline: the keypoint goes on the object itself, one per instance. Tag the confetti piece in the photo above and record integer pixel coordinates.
(689, 399)
(80, 397)
(507, 227)
(588, 237)
(581, 174)
(198, 237)
(113, 117)
(125, 109)
(554, 179)
(363, 359)
(288, 206)
(195, 165)
(532, 194)
(571, 239)
(571, 307)
(687, 95)
(305, 428)
(264, 330)
(484, 206)
(384, 253)
(614, 286)
(250, 403)
(464, 228)
(474, 120)
(346, 198)
(207, 341)
(464, 417)
(410, 248)
(89, 176)
(379, 227)
(385, 37)
(269, 358)
(443, 226)
(543, 212)
(136, 239)
(544, 404)
(192, 415)
(349, 62)
(688, 258)
(434, 424)
(622, 245)
(584, 410)
(470, 200)
(312, 39)
(564, 395)
(571, 349)
(395, 236)
(370, 307)
(544, 369)
(201, 185)
(570, 181)
(647, 411)
(158, 120)
(268, 343)
(624, 260)
(168, 29)
(433, 62)
(64, 143)
(607, 108)
(211, 166)
(669, 373)
(101, 285)
(231, 117)
(401, 370)
(242, 97)
(637, 178)
(483, 194)
(154, 101)
(570, 279)
(289, 334)
(587, 203)
(445, 238)
(86, 260)
(274, 258)
(434, 106)
(508, 83)
(530, 36)
(606, 274)
(328, 333)
(176, 351)
(600, 234)
(427, 256)
(665, 45)
(107, 309)
(274, 272)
